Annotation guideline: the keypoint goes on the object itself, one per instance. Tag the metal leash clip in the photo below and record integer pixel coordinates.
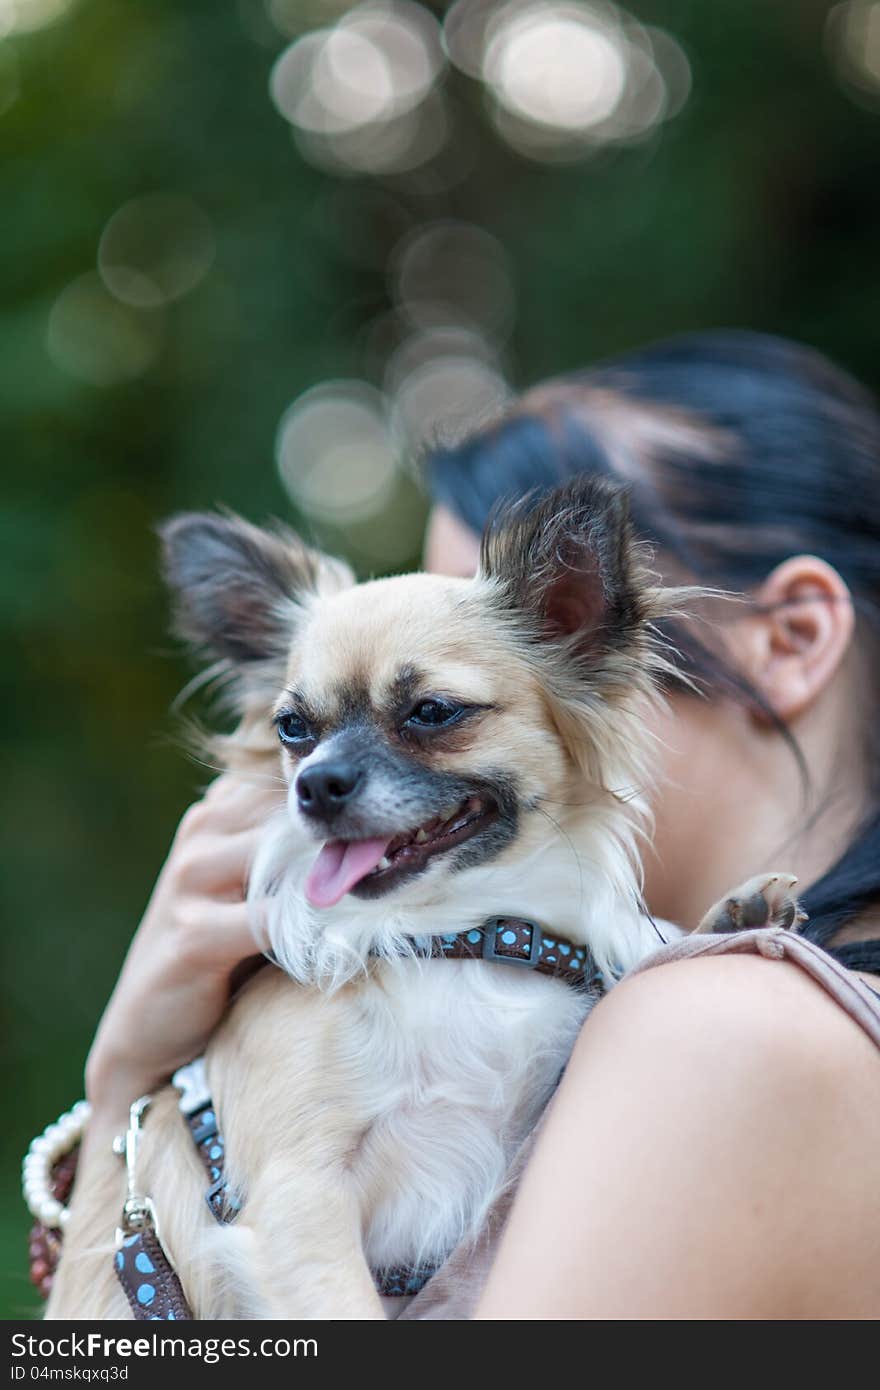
(138, 1212)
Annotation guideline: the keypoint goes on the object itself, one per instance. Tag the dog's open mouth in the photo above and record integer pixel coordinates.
(372, 867)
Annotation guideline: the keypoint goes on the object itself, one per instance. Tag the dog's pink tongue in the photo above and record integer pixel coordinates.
(339, 866)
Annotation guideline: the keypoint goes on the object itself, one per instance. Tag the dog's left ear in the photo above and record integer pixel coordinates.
(567, 563)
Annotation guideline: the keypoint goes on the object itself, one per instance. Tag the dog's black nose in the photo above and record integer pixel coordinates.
(327, 787)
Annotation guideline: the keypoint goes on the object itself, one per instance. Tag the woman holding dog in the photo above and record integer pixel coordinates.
(723, 1109)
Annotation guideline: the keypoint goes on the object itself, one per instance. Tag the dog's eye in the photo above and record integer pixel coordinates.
(291, 728)
(434, 713)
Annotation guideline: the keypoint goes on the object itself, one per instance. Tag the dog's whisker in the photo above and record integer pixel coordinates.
(575, 854)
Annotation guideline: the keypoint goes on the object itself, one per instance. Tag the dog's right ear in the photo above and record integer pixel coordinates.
(238, 587)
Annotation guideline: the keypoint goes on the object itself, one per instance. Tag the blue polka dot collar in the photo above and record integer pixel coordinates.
(519, 942)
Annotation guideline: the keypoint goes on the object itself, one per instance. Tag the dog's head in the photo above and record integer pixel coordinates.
(427, 726)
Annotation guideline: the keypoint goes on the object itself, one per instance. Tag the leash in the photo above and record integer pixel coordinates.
(145, 1272)
(142, 1266)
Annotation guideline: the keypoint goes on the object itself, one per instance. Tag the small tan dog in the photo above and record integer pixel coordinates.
(454, 751)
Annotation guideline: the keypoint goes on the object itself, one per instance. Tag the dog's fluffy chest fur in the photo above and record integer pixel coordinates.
(408, 1083)
(415, 1086)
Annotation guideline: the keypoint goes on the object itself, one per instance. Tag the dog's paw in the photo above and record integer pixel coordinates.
(764, 901)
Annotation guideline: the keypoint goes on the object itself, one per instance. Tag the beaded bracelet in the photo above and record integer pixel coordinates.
(47, 1178)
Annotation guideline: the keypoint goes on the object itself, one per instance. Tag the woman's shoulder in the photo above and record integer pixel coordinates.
(727, 1109)
(760, 988)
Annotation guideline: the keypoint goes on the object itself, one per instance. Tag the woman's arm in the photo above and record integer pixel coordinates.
(713, 1152)
(174, 985)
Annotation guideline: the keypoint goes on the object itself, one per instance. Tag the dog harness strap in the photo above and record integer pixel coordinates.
(222, 1204)
(198, 1111)
(519, 941)
(153, 1290)
(402, 1280)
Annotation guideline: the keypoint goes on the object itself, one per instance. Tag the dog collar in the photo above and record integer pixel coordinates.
(521, 942)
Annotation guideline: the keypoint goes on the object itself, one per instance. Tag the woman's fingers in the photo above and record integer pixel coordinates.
(229, 807)
(257, 923)
(236, 801)
(217, 935)
(213, 863)
(195, 933)
(239, 927)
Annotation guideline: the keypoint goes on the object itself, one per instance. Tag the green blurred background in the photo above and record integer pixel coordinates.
(202, 219)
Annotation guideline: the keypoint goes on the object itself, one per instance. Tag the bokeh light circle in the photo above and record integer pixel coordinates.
(567, 76)
(358, 93)
(25, 16)
(378, 62)
(674, 68)
(451, 272)
(155, 249)
(555, 64)
(397, 146)
(441, 384)
(334, 452)
(464, 34)
(852, 40)
(94, 337)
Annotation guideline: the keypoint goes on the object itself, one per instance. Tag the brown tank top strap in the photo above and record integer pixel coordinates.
(853, 995)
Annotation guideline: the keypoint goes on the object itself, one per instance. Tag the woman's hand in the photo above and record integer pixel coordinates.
(175, 983)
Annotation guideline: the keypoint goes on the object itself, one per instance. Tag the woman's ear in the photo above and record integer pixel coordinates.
(792, 643)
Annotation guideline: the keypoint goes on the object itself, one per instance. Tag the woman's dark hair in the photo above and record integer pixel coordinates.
(740, 450)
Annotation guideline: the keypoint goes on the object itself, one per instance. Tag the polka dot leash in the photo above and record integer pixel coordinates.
(142, 1267)
(152, 1288)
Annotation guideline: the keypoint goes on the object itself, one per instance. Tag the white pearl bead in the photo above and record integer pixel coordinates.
(57, 1139)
